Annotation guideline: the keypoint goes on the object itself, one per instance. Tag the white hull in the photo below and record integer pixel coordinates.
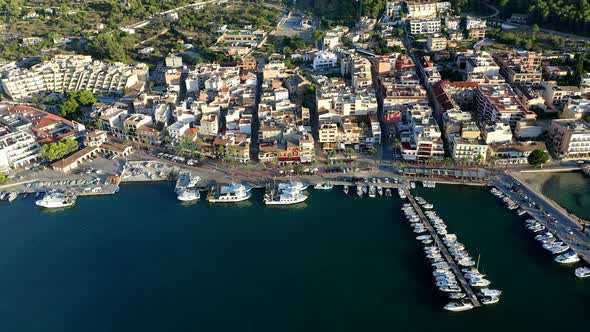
(285, 202)
(188, 198)
(229, 200)
(53, 205)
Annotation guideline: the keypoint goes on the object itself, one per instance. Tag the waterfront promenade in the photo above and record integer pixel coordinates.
(443, 249)
(565, 226)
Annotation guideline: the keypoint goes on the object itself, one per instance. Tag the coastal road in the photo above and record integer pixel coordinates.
(566, 227)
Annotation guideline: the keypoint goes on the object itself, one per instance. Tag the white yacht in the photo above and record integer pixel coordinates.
(285, 198)
(56, 200)
(294, 186)
(323, 186)
(583, 272)
(459, 306)
(189, 195)
(490, 299)
(401, 193)
(229, 194)
(490, 292)
(568, 258)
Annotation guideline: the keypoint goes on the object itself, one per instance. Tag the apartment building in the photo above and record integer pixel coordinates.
(557, 95)
(328, 134)
(436, 43)
(306, 148)
(68, 73)
(420, 9)
(468, 149)
(495, 103)
(575, 109)
(425, 26)
(520, 66)
(570, 139)
(515, 153)
(18, 149)
(324, 60)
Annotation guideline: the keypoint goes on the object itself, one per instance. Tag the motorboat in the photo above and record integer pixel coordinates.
(359, 191)
(456, 296)
(388, 192)
(285, 198)
(345, 189)
(372, 192)
(422, 237)
(294, 186)
(559, 249)
(490, 300)
(569, 257)
(401, 193)
(428, 206)
(582, 272)
(323, 186)
(12, 196)
(189, 195)
(479, 282)
(490, 292)
(56, 200)
(458, 306)
(229, 194)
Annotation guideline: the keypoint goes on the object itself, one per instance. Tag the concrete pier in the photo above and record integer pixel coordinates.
(443, 249)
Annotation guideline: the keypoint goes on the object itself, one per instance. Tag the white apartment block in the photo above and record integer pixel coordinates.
(68, 73)
(425, 26)
(393, 10)
(427, 9)
(474, 23)
(471, 149)
(18, 149)
(570, 139)
(324, 60)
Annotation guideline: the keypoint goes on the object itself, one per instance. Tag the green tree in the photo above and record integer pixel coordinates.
(3, 178)
(69, 108)
(538, 158)
(85, 97)
(58, 150)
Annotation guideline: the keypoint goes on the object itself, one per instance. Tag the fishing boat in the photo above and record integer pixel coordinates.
(56, 200)
(189, 195)
(284, 198)
(229, 194)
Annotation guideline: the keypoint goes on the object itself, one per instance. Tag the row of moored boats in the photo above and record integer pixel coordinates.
(548, 240)
(444, 277)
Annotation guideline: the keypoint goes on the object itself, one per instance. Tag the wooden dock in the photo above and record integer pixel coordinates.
(445, 252)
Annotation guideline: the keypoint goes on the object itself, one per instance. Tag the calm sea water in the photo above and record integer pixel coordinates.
(570, 190)
(140, 261)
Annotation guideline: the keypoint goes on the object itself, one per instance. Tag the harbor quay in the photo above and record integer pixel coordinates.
(567, 228)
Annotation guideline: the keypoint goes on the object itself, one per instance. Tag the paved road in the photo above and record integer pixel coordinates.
(566, 228)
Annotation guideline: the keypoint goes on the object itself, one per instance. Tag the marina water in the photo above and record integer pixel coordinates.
(571, 191)
(141, 261)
